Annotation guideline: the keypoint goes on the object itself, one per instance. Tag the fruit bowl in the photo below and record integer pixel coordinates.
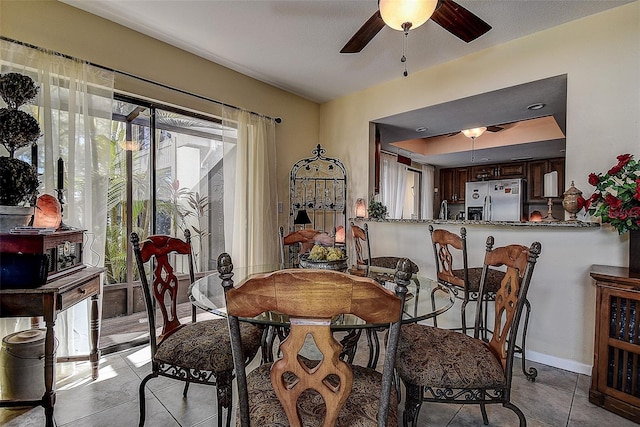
(337, 265)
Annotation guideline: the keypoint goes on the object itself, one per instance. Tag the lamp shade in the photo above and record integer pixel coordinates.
(302, 217)
(474, 132)
(361, 208)
(395, 13)
(340, 234)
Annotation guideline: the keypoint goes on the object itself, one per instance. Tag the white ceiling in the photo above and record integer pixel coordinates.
(295, 44)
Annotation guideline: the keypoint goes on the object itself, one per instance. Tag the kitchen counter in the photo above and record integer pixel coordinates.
(560, 224)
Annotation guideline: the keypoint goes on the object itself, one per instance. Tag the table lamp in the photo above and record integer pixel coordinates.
(302, 218)
(550, 191)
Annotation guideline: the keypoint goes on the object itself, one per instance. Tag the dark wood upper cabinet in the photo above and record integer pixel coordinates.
(535, 178)
(453, 183)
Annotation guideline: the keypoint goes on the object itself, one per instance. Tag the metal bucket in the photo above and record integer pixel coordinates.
(22, 365)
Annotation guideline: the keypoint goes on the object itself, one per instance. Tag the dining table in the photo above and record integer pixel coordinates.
(207, 294)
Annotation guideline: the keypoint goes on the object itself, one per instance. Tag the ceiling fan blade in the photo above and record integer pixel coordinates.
(459, 21)
(494, 128)
(365, 34)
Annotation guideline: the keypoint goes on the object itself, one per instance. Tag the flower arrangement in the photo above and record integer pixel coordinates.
(377, 210)
(616, 199)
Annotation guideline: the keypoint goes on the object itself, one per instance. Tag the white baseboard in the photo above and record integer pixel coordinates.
(556, 362)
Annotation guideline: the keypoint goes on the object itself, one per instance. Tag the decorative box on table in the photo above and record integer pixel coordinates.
(60, 250)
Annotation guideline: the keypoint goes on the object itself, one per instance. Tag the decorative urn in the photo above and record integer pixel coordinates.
(570, 202)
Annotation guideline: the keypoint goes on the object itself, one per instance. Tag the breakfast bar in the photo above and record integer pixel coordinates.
(562, 321)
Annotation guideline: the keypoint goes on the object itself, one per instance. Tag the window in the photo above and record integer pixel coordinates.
(185, 189)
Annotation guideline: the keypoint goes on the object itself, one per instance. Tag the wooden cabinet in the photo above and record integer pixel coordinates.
(615, 380)
(452, 184)
(535, 178)
(497, 171)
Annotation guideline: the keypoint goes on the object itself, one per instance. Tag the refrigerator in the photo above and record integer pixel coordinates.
(497, 200)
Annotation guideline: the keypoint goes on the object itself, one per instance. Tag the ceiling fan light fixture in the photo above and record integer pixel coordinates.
(397, 13)
(474, 133)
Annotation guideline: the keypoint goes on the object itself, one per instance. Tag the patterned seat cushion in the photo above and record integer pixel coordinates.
(206, 345)
(494, 278)
(434, 357)
(360, 409)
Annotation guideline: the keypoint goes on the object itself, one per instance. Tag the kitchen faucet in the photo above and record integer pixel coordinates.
(444, 210)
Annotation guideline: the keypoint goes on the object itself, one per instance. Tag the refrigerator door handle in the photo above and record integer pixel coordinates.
(486, 215)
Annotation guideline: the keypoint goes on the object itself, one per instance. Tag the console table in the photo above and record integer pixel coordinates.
(615, 380)
(47, 301)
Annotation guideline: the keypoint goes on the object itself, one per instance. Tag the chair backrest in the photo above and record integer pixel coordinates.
(312, 298)
(510, 298)
(443, 242)
(305, 238)
(361, 243)
(164, 284)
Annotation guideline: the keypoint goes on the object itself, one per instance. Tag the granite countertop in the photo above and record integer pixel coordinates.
(561, 224)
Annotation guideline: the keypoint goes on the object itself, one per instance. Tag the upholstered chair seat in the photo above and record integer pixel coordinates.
(435, 357)
(206, 345)
(494, 277)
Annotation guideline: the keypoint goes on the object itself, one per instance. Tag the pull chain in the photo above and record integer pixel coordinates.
(405, 44)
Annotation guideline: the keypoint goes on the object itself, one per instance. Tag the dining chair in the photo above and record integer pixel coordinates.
(309, 385)
(447, 366)
(361, 241)
(195, 351)
(304, 239)
(465, 284)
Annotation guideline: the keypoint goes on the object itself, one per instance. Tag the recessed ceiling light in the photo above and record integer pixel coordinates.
(515, 159)
(485, 159)
(536, 106)
(421, 129)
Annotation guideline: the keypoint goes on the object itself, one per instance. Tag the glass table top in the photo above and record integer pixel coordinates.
(207, 293)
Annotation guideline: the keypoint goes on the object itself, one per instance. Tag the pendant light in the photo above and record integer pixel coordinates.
(473, 133)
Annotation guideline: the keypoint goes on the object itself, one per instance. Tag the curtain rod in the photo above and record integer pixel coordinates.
(278, 120)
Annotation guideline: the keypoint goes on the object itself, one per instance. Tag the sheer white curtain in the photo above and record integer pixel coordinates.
(428, 183)
(249, 163)
(393, 179)
(74, 110)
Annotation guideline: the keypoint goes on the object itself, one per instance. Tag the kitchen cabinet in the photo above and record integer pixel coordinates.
(452, 184)
(615, 379)
(497, 171)
(535, 178)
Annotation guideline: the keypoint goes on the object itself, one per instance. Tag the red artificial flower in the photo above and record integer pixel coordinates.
(617, 214)
(637, 194)
(613, 202)
(594, 179)
(623, 159)
(581, 202)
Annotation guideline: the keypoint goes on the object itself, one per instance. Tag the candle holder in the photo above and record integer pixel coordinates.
(570, 202)
(549, 216)
(61, 199)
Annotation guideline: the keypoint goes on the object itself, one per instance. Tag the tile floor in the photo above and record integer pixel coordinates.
(557, 398)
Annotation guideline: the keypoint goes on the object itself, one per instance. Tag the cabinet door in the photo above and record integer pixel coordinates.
(461, 176)
(535, 180)
(511, 170)
(617, 348)
(558, 165)
(447, 184)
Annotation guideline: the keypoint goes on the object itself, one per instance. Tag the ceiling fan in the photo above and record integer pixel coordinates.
(494, 129)
(448, 14)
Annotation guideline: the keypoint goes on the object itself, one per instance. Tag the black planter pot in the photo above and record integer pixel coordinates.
(23, 271)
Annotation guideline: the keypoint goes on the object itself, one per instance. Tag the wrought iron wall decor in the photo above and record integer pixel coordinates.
(318, 184)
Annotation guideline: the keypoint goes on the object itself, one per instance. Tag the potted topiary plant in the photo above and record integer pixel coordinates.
(18, 179)
(377, 210)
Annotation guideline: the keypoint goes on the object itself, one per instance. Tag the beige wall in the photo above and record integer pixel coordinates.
(601, 57)
(65, 29)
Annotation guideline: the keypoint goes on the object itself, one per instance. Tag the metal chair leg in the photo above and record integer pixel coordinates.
(532, 372)
(514, 408)
(143, 383)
